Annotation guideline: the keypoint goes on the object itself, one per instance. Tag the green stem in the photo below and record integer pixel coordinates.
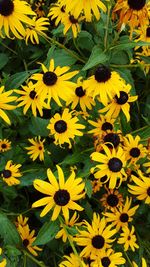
(14, 52)
(39, 263)
(128, 259)
(107, 26)
(77, 48)
(25, 261)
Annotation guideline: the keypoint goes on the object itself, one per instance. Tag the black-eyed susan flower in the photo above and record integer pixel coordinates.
(28, 237)
(64, 127)
(104, 84)
(144, 264)
(36, 150)
(141, 188)
(112, 199)
(39, 8)
(11, 173)
(80, 97)
(61, 195)
(110, 138)
(78, 7)
(3, 261)
(121, 216)
(38, 29)
(96, 237)
(52, 80)
(5, 98)
(68, 224)
(108, 258)
(71, 22)
(5, 145)
(72, 261)
(57, 12)
(133, 149)
(96, 185)
(103, 124)
(30, 98)
(128, 238)
(132, 12)
(112, 165)
(13, 14)
(120, 103)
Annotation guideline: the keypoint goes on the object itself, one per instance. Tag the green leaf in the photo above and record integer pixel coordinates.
(143, 132)
(62, 58)
(88, 188)
(46, 233)
(3, 60)
(128, 44)
(84, 40)
(16, 80)
(8, 231)
(38, 126)
(97, 57)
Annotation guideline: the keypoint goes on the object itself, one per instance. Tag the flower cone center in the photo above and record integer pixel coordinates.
(6, 7)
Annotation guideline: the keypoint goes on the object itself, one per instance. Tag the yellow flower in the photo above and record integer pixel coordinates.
(76, 7)
(11, 173)
(72, 261)
(143, 35)
(21, 221)
(3, 262)
(120, 103)
(33, 32)
(112, 165)
(61, 195)
(52, 80)
(121, 216)
(5, 145)
(141, 188)
(128, 238)
(12, 14)
(56, 13)
(39, 8)
(112, 199)
(95, 238)
(28, 238)
(70, 21)
(104, 84)
(103, 124)
(36, 149)
(64, 127)
(5, 98)
(144, 264)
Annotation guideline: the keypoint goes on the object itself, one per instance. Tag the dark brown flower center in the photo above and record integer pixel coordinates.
(103, 179)
(107, 126)
(124, 217)
(115, 164)
(136, 4)
(40, 148)
(148, 191)
(6, 7)
(32, 94)
(63, 9)
(112, 138)
(3, 145)
(135, 152)
(122, 99)
(105, 261)
(98, 241)
(25, 242)
(62, 197)
(79, 91)
(49, 78)
(60, 126)
(102, 74)
(148, 32)
(6, 173)
(112, 200)
(72, 19)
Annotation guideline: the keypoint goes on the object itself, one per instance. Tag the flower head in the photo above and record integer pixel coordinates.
(4, 145)
(11, 173)
(108, 258)
(33, 32)
(36, 149)
(128, 238)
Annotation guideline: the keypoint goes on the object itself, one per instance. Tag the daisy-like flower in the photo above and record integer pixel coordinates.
(120, 103)
(112, 165)
(110, 139)
(96, 237)
(144, 264)
(33, 32)
(121, 216)
(77, 7)
(104, 84)
(128, 238)
(68, 223)
(28, 237)
(39, 8)
(57, 12)
(70, 21)
(3, 261)
(52, 80)
(5, 145)
(80, 97)
(5, 98)
(36, 150)
(141, 188)
(61, 195)
(30, 98)
(72, 261)
(12, 14)
(11, 173)
(103, 124)
(108, 258)
(143, 35)
(139, 59)
(133, 149)
(96, 185)
(132, 12)
(64, 127)
(21, 221)
(112, 199)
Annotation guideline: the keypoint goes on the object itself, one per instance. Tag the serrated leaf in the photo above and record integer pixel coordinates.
(97, 57)
(46, 233)
(3, 60)
(8, 231)
(38, 126)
